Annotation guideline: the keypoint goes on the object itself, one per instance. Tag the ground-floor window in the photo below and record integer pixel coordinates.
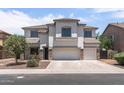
(34, 50)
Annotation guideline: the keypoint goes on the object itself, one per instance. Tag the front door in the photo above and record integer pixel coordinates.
(45, 53)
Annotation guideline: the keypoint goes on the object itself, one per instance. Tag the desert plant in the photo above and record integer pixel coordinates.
(33, 61)
(120, 58)
(111, 54)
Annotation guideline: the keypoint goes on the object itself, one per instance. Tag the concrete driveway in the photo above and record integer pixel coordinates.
(85, 66)
(70, 67)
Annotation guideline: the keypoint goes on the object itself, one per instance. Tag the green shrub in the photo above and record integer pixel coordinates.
(120, 58)
(111, 54)
(33, 61)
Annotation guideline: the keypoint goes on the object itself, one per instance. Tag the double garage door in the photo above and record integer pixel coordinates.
(73, 54)
(66, 54)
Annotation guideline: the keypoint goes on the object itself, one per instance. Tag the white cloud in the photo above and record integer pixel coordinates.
(88, 19)
(104, 10)
(83, 20)
(12, 21)
(115, 12)
(118, 14)
(71, 15)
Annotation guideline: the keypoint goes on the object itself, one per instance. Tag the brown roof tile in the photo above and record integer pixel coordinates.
(90, 27)
(37, 26)
(66, 19)
(118, 24)
(3, 32)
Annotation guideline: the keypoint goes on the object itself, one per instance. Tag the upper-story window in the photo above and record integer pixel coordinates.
(34, 34)
(66, 32)
(87, 33)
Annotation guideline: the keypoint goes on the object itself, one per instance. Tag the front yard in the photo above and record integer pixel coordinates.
(112, 62)
(109, 61)
(10, 64)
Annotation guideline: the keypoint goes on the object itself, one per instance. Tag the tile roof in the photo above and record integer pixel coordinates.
(90, 27)
(66, 19)
(61, 19)
(118, 24)
(4, 32)
(37, 26)
(50, 24)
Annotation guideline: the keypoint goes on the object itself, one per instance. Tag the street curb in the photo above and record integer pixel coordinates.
(48, 71)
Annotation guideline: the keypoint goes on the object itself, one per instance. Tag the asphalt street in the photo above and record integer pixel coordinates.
(62, 79)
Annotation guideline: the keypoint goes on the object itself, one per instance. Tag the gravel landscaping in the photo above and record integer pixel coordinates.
(112, 62)
(109, 61)
(10, 64)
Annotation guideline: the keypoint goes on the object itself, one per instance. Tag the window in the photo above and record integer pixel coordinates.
(112, 37)
(87, 33)
(34, 51)
(34, 34)
(66, 32)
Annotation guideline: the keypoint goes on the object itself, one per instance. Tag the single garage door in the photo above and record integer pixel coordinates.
(89, 53)
(66, 54)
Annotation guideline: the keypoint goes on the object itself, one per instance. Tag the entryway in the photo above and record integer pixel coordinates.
(45, 53)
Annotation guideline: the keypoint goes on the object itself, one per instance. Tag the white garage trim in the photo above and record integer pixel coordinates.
(66, 54)
(90, 53)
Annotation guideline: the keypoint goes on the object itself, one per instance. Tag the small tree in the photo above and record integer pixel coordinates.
(16, 45)
(98, 35)
(106, 42)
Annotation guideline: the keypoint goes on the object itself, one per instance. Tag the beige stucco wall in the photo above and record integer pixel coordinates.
(66, 42)
(73, 26)
(51, 36)
(80, 38)
(93, 33)
(43, 38)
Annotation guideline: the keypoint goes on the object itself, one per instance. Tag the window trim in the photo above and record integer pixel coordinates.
(34, 35)
(86, 36)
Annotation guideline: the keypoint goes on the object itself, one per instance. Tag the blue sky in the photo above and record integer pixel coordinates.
(13, 19)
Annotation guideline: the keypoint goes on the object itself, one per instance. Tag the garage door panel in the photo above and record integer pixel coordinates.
(66, 54)
(90, 53)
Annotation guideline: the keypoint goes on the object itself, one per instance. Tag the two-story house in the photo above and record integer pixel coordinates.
(65, 39)
(3, 36)
(115, 31)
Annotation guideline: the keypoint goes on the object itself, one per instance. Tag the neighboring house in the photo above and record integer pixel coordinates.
(3, 37)
(115, 31)
(65, 39)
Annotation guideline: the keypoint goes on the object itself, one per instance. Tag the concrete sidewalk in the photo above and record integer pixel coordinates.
(66, 67)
